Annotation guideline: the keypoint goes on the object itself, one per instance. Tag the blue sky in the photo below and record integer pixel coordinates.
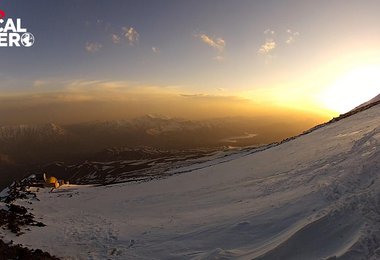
(279, 51)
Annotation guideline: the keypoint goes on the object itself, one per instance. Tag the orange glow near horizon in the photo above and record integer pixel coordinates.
(337, 87)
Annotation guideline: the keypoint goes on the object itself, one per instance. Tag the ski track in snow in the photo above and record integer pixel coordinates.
(314, 197)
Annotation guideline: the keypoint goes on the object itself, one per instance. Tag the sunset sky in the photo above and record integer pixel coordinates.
(313, 56)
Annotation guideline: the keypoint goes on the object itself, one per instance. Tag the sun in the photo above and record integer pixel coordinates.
(353, 88)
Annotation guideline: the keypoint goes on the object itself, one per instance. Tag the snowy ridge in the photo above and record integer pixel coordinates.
(313, 197)
(35, 131)
(372, 101)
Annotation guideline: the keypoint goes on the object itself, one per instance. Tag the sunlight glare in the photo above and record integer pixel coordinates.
(353, 88)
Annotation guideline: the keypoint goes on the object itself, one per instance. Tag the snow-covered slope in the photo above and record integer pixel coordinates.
(314, 197)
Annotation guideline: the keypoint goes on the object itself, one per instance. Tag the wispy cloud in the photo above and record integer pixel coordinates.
(217, 43)
(40, 83)
(270, 43)
(115, 35)
(156, 49)
(219, 58)
(107, 100)
(92, 47)
(210, 97)
(269, 32)
(291, 36)
(268, 47)
(276, 40)
(115, 38)
(131, 35)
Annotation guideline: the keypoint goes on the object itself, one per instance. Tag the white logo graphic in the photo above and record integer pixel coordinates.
(27, 39)
(12, 34)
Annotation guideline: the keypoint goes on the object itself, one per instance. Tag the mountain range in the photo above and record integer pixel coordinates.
(314, 196)
(25, 149)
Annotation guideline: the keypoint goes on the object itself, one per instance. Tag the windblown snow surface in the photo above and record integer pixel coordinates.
(315, 197)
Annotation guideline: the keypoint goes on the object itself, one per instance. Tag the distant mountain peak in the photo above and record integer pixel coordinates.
(157, 116)
(35, 131)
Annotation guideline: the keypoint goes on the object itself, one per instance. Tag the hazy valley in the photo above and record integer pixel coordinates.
(25, 149)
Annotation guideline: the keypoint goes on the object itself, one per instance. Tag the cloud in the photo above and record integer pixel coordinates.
(268, 47)
(269, 32)
(219, 58)
(131, 35)
(210, 97)
(217, 43)
(291, 36)
(40, 83)
(270, 43)
(106, 88)
(156, 49)
(274, 41)
(115, 38)
(98, 24)
(92, 47)
(84, 100)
